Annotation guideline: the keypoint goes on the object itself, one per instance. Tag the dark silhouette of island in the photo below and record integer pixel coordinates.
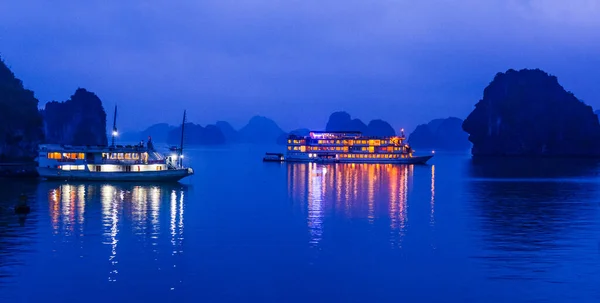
(81, 120)
(443, 134)
(231, 135)
(159, 133)
(196, 134)
(528, 113)
(21, 126)
(342, 121)
(260, 130)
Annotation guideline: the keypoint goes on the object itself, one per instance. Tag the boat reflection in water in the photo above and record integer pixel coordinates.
(120, 211)
(374, 193)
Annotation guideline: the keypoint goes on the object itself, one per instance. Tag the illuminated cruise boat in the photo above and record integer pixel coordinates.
(351, 147)
(111, 163)
(104, 163)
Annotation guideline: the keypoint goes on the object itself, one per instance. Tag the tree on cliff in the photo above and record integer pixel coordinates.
(20, 121)
(529, 113)
(81, 120)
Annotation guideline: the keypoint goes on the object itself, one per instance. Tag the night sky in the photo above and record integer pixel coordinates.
(406, 62)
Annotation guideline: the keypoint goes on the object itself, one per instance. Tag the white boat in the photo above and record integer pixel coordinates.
(351, 147)
(111, 163)
(103, 163)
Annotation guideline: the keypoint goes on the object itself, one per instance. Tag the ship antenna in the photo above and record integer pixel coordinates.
(114, 129)
(181, 144)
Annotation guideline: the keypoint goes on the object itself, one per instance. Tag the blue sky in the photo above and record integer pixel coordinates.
(295, 61)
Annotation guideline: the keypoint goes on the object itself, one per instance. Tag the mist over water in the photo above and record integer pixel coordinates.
(242, 230)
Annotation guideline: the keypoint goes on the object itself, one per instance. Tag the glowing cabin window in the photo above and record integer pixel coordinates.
(337, 142)
(72, 156)
(72, 167)
(371, 149)
(289, 141)
(56, 156)
(303, 148)
(289, 148)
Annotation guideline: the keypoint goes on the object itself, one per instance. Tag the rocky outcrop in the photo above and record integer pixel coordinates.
(379, 128)
(81, 120)
(260, 130)
(159, 133)
(528, 113)
(231, 135)
(443, 134)
(195, 134)
(342, 121)
(21, 126)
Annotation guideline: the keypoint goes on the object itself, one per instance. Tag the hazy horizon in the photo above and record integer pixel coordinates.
(295, 62)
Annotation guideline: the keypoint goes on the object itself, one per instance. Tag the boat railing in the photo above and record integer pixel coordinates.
(128, 162)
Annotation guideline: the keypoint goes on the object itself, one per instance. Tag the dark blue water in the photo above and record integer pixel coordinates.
(241, 230)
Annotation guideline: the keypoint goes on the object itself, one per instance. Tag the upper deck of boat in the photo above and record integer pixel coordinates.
(340, 135)
(94, 148)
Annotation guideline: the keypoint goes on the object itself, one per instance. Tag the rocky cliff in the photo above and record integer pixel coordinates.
(21, 128)
(443, 134)
(159, 133)
(81, 120)
(231, 135)
(342, 121)
(528, 113)
(197, 135)
(260, 130)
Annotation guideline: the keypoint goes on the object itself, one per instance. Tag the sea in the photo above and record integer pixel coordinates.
(457, 229)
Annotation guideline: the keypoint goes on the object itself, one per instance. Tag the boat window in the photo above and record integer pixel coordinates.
(54, 155)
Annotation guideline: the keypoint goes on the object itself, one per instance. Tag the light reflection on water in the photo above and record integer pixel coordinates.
(385, 197)
(122, 207)
(460, 229)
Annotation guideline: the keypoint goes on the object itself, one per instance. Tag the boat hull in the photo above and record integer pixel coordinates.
(409, 160)
(172, 175)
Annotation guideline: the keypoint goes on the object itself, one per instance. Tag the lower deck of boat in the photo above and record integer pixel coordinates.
(408, 160)
(171, 175)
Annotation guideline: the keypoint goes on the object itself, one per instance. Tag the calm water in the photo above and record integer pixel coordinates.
(241, 230)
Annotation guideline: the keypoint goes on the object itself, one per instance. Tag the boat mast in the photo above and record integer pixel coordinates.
(181, 144)
(114, 129)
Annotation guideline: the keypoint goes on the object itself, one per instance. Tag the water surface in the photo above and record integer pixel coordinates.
(457, 230)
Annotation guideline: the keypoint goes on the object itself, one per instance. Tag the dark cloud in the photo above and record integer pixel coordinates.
(295, 61)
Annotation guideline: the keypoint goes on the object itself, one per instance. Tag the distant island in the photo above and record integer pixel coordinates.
(342, 121)
(528, 113)
(259, 130)
(441, 134)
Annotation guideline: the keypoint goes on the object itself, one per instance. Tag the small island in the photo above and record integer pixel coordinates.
(528, 113)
